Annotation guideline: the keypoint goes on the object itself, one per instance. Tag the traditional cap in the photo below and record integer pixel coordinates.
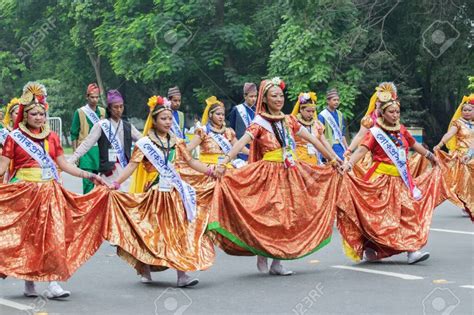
(331, 93)
(173, 91)
(14, 103)
(93, 88)
(207, 111)
(250, 87)
(305, 100)
(114, 96)
(452, 143)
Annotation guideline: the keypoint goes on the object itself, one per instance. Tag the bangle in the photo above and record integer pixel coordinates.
(210, 170)
(333, 161)
(350, 165)
(116, 185)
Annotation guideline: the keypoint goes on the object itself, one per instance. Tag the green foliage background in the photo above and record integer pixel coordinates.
(207, 47)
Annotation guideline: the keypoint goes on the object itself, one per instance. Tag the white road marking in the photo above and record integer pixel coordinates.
(385, 273)
(467, 286)
(18, 306)
(452, 231)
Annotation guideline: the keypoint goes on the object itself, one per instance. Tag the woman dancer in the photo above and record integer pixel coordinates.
(388, 212)
(164, 227)
(459, 164)
(46, 232)
(265, 208)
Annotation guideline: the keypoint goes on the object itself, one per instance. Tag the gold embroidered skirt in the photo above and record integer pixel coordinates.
(459, 179)
(381, 214)
(47, 232)
(266, 209)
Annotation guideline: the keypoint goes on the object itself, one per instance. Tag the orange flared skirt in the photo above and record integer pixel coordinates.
(459, 179)
(152, 228)
(382, 215)
(47, 232)
(266, 209)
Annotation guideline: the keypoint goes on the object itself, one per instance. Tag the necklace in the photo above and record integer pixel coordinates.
(397, 139)
(166, 150)
(40, 136)
(382, 124)
(467, 122)
(271, 117)
(305, 122)
(215, 130)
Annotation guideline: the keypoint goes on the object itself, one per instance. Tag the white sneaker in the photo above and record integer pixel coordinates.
(30, 290)
(146, 275)
(187, 281)
(279, 270)
(416, 257)
(55, 291)
(262, 264)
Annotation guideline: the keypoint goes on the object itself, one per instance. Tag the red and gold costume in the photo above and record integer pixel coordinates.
(379, 212)
(46, 232)
(385, 91)
(151, 228)
(269, 210)
(458, 175)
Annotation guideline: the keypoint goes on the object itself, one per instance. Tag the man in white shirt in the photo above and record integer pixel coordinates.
(114, 137)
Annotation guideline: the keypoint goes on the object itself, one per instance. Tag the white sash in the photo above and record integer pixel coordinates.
(318, 155)
(176, 130)
(226, 146)
(243, 114)
(36, 152)
(222, 141)
(90, 114)
(3, 135)
(156, 157)
(392, 152)
(334, 126)
(108, 129)
(259, 120)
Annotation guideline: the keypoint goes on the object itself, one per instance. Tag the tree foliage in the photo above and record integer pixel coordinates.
(206, 47)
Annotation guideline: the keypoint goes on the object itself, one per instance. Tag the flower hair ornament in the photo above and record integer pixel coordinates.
(157, 104)
(307, 99)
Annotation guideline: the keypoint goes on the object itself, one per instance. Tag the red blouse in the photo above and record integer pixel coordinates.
(378, 153)
(21, 159)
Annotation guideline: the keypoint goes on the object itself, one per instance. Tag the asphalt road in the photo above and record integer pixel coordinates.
(324, 283)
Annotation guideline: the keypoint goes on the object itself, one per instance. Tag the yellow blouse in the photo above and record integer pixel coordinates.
(465, 134)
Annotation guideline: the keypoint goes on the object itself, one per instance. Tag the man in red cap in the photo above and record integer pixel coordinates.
(82, 122)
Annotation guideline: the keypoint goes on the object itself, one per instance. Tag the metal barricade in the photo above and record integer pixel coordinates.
(56, 125)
